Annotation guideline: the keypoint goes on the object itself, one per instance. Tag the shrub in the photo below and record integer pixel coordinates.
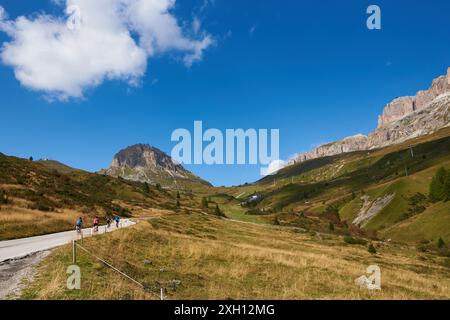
(440, 243)
(331, 226)
(351, 240)
(371, 249)
(3, 197)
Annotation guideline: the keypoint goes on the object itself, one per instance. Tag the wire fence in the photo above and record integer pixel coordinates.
(161, 295)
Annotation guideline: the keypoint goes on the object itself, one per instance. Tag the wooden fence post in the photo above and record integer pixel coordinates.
(74, 252)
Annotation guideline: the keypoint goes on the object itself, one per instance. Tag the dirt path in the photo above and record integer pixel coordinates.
(15, 273)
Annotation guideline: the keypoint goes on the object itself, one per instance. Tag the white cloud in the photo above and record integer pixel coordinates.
(114, 42)
(273, 168)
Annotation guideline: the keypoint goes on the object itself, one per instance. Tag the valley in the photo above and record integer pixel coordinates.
(305, 232)
(227, 243)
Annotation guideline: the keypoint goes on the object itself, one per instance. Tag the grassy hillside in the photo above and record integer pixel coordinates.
(201, 257)
(42, 197)
(431, 224)
(355, 184)
(58, 166)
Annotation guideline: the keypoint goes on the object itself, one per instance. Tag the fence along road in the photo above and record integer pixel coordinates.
(19, 248)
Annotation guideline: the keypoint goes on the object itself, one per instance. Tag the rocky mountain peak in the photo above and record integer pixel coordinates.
(146, 157)
(402, 119)
(145, 163)
(402, 106)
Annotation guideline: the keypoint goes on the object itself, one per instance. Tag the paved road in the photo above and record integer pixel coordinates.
(19, 248)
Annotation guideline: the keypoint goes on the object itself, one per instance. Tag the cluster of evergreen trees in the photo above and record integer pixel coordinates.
(440, 186)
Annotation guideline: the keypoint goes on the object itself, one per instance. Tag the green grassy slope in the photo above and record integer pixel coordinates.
(430, 225)
(348, 181)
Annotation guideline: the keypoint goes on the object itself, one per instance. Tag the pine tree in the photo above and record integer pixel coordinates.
(204, 203)
(178, 203)
(146, 188)
(217, 211)
(437, 190)
(178, 195)
(440, 243)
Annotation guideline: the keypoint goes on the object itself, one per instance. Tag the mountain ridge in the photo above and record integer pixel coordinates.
(402, 119)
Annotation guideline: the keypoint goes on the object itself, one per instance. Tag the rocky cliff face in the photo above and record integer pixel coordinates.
(396, 110)
(144, 163)
(435, 116)
(349, 144)
(403, 106)
(402, 119)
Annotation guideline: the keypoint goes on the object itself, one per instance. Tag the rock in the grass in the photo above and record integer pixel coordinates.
(147, 262)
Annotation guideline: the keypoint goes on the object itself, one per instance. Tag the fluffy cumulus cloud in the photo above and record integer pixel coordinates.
(273, 168)
(94, 41)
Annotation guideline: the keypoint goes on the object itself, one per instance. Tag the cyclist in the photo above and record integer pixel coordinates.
(79, 224)
(117, 219)
(96, 223)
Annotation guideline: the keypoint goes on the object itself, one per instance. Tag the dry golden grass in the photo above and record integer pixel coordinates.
(16, 222)
(219, 259)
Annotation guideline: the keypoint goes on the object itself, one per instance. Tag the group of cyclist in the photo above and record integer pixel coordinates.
(96, 223)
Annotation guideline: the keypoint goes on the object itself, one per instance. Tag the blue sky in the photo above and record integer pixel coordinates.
(309, 68)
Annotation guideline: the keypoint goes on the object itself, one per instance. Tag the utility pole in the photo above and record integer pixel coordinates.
(412, 151)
